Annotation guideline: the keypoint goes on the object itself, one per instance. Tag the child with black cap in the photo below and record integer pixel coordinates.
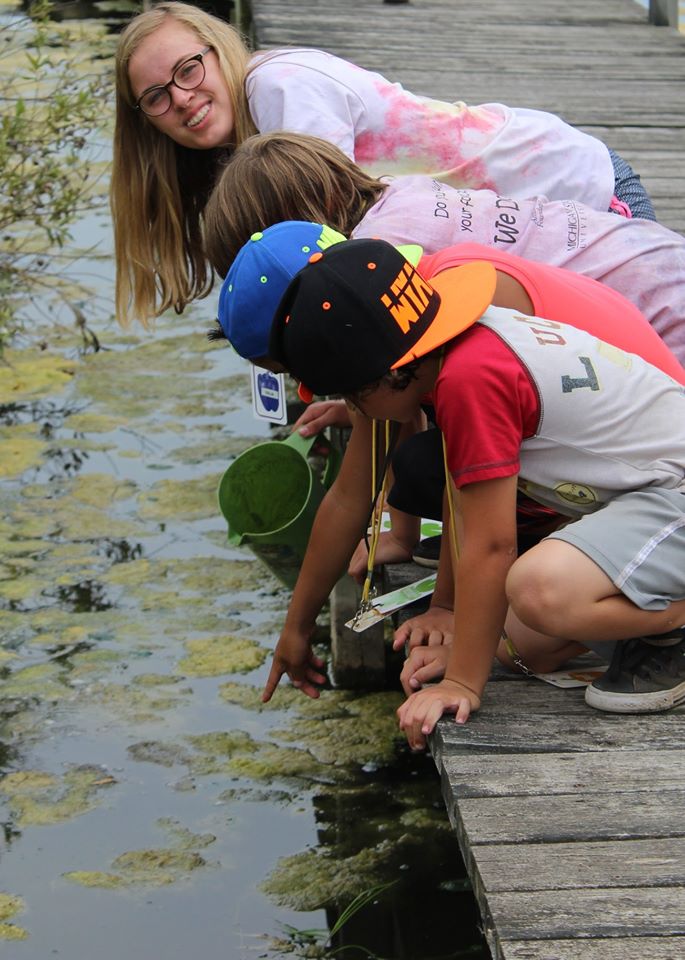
(577, 421)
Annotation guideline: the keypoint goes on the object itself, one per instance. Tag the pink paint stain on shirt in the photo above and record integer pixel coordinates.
(429, 136)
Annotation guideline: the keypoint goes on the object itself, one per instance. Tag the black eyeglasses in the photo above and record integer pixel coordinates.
(187, 75)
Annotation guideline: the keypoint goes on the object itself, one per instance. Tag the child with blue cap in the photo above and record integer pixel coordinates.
(341, 359)
(577, 420)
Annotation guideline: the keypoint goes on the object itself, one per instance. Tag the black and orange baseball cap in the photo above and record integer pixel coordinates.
(360, 309)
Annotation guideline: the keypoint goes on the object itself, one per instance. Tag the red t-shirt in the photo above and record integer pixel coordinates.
(485, 405)
(485, 401)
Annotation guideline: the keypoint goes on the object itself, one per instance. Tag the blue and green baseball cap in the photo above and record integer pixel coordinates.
(260, 275)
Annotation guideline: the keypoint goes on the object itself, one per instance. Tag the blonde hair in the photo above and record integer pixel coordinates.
(283, 176)
(158, 187)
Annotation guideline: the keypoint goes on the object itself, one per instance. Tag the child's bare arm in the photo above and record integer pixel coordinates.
(487, 551)
(394, 545)
(337, 527)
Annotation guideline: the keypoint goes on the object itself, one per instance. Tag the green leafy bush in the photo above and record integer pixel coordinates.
(54, 105)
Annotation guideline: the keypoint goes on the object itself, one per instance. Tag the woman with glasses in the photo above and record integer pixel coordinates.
(189, 91)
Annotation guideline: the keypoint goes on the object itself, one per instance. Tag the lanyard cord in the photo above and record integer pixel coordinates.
(454, 539)
(378, 492)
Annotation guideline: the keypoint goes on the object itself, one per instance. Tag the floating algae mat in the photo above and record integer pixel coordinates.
(151, 804)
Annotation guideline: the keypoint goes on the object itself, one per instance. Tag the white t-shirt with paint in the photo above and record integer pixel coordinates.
(641, 259)
(389, 131)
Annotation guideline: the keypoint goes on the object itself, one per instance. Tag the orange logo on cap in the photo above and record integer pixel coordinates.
(408, 297)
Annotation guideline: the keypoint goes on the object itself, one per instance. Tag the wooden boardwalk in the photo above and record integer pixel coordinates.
(571, 822)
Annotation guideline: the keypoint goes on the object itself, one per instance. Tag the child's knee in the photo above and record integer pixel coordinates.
(538, 590)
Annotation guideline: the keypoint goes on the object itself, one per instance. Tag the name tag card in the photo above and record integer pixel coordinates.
(268, 395)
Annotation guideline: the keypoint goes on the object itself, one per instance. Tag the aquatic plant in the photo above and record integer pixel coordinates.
(318, 942)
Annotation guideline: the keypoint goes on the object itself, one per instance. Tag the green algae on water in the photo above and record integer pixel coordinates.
(99, 489)
(272, 762)
(212, 751)
(219, 447)
(151, 867)
(39, 798)
(9, 906)
(42, 681)
(28, 375)
(95, 422)
(180, 499)
(341, 727)
(214, 656)
(163, 754)
(313, 880)
(19, 452)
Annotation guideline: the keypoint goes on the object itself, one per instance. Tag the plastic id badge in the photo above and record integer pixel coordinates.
(268, 395)
(382, 607)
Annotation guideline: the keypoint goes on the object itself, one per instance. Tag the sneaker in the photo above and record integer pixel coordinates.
(427, 552)
(646, 675)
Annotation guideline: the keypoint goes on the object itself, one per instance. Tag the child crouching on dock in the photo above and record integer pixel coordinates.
(573, 420)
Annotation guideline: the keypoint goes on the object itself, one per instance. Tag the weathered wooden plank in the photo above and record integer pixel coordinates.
(571, 821)
(571, 866)
(570, 817)
(481, 53)
(555, 734)
(620, 912)
(623, 948)
(516, 775)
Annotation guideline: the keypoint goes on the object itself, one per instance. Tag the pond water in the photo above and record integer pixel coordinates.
(150, 805)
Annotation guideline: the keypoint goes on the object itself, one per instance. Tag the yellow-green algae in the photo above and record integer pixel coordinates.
(35, 797)
(313, 879)
(94, 422)
(213, 751)
(99, 489)
(163, 754)
(137, 704)
(272, 762)
(152, 867)
(180, 499)
(208, 577)
(9, 931)
(29, 522)
(66, 637)
(348, 739)
(214, 656)
(147, 379)
(9, 906)
(221, 447)
(341, 727)
(27, 375)
(155, 680)
(216, 750)
(88, 662)
(97, 878)
(42, 681)
(21, 588)
(215, 577)
(184, 838)
(19, 452)
(78, 521)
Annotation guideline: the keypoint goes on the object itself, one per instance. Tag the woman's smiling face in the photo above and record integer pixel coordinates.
(201, 118)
